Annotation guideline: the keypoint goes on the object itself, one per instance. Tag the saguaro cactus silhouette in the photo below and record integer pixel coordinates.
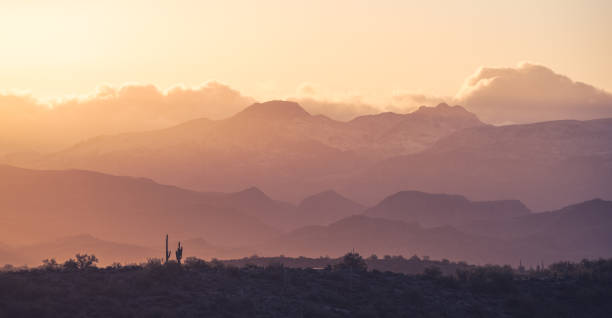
(179, 252)
(168, 252)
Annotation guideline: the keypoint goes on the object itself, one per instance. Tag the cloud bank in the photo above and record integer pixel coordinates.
(348, 107)
(531, 93)
(522, 94)
(27, 124)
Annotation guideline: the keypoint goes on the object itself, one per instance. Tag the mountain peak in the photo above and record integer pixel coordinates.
(442, 108)
(276, 109)
(252, 193)
(325, 194)
(325, 198)
(451, 114)
(590, 206)
(410, 195)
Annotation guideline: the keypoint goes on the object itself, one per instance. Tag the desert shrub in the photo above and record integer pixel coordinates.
(50, 265)
(432, 272)
(115, 266)
(70, 265)
(352, 261)
(196, 263)
(85, 261)
(232, 271)
(8, 268)
(216, 264)
(152, 263)
(586, 270)
(488, 278)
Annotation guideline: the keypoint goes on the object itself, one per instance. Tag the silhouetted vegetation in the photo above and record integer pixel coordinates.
(352, 261)
(213, 288)
(168, 252)
(179, 253)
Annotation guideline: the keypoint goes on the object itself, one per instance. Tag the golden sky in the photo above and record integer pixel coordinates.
(267, 49)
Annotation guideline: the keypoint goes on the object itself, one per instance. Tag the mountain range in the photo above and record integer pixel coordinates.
(546, 165)
(38, 205)
(572, 233)
(434, 182)
(290, 154)
(126, 219)
(276, 146)
(432, 210)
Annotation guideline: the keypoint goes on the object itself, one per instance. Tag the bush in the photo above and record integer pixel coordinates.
(196, 263)
(432, 272)
(50, 265)
(86, 261)
(488, 278)
(352, 261)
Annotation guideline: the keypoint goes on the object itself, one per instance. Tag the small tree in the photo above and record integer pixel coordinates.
(50, 264)
(85, 261)
(70, 265)
(352, 261)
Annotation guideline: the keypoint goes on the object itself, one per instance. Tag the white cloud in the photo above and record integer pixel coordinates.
(529, 93)
(27, 123)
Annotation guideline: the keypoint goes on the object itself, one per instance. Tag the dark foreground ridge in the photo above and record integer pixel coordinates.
(346, 289)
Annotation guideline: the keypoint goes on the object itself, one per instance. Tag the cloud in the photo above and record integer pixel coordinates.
(404, 102)
(306, 90)
(531, 93)
(27, 123)
(345, 108)
(342, 110)
(526, 93)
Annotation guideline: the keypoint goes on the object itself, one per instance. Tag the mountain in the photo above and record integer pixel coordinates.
(64, 248)
(400, 134)
(580, 230)
(276, 145)
(324, 208)
(41, 205)
(318, 209)
(575, 232)
(386, 237)
(290, 154)
(256, 203)
(546, 165)
(432, 210)
(107, 252)
(200, 248)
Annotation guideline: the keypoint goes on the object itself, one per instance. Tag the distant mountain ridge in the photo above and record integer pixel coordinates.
(575, 232)
(325, 207)
(67, 247)
(38, 205)
(546, 165)
(290, 154)
(431, 210)
(125, 216)
(276, 145)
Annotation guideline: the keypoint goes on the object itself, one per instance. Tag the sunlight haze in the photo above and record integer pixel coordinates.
(266, 49)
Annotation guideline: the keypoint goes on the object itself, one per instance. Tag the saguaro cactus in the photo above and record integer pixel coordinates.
(179, 253)
(168, 252)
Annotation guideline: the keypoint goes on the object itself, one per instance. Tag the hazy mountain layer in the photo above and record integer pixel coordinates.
(442, 209)
(39, 205)
(572, 233)
(276, 146)
(545, 165)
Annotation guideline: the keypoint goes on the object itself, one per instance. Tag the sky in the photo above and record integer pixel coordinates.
(366, 50)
